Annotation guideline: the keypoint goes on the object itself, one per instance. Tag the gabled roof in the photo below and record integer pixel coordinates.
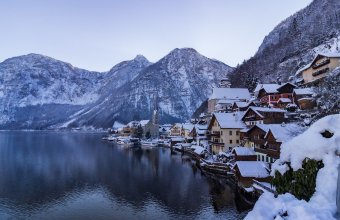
(256, 169)
(242, 104)
(316, 57)
(243, 151)
(269, 88)
(258, 110)
(188, 126)
(284, 132)
(143, 122)
(229, 120)
(284, 100)
(304, 91)
(230, 93)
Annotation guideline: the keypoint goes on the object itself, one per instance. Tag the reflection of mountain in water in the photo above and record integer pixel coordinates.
(58, 168)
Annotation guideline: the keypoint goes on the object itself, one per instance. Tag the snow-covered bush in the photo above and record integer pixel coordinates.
(321, 142)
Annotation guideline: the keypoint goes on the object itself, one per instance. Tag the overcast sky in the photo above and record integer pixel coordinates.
(98, 34)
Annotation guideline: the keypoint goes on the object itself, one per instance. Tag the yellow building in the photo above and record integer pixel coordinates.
(321, 65)
(224, 131)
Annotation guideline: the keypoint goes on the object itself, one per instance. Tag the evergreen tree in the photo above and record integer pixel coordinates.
(138, 133)
(148, 135)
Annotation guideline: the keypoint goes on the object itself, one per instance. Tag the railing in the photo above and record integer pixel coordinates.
(264, 187)
(324, 62)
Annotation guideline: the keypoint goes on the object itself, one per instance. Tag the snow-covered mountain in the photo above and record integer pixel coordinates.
(293, 43)
(39, 92)
(178, 83)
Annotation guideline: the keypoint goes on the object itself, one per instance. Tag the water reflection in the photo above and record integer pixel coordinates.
(45, 175)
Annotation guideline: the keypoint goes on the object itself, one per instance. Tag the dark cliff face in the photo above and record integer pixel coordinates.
(293, 43)
(39, 92)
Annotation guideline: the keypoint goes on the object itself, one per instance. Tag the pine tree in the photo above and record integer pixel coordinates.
(148, 135)
(138, 133)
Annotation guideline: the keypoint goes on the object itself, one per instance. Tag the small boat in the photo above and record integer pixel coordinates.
(111, 138)
(149, 144)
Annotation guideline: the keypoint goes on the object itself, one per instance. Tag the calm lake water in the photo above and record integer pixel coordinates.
(50, 175)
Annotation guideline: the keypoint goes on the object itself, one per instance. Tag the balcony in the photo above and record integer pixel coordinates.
(322, 63)
(214, 133)
(269, 152)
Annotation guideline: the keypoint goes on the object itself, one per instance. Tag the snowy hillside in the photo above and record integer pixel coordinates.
(293, 43)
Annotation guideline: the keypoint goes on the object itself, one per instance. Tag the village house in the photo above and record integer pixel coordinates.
(225, 97)
(243, 154)
(274, 95)
(224, 131)
(187, 128)
(266, 139)
(164, 130)
(321, 65)
(262, 115)
(129, 129)
(304, 99)
(247, 171)
(177, 130)
(199, 133)
(241, 106)
(254, 137)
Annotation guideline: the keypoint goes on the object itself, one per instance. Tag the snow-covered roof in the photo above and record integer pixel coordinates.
(229, 120)
(304, 91)
(269, 88)
(285, 132)
(258, 110)
(285, 100)
(230, 93)
(133, 123)
(330, 55)
(243, 151)
(198, 149)
(117, 125)
(188, 126)
(143, 122)
(256, 169)
(225, 102)
(242, 104)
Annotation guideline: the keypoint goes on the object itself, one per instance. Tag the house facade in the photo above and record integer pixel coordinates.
(224, 131)
(262, 115)
(177, 130)
(228, 95)
(304, 99)
(274, 94)
(321, 65)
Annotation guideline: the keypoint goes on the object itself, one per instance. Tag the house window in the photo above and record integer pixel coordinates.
(262, 158)
(230, 141)
(267, 159)
(237, 133)
(237, 141)
(230, 132)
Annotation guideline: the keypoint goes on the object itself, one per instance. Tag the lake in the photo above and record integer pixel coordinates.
(60, 175)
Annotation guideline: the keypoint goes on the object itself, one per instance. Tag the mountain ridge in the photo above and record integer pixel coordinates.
(53, 94)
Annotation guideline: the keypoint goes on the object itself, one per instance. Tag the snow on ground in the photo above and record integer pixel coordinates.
(311, 144)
